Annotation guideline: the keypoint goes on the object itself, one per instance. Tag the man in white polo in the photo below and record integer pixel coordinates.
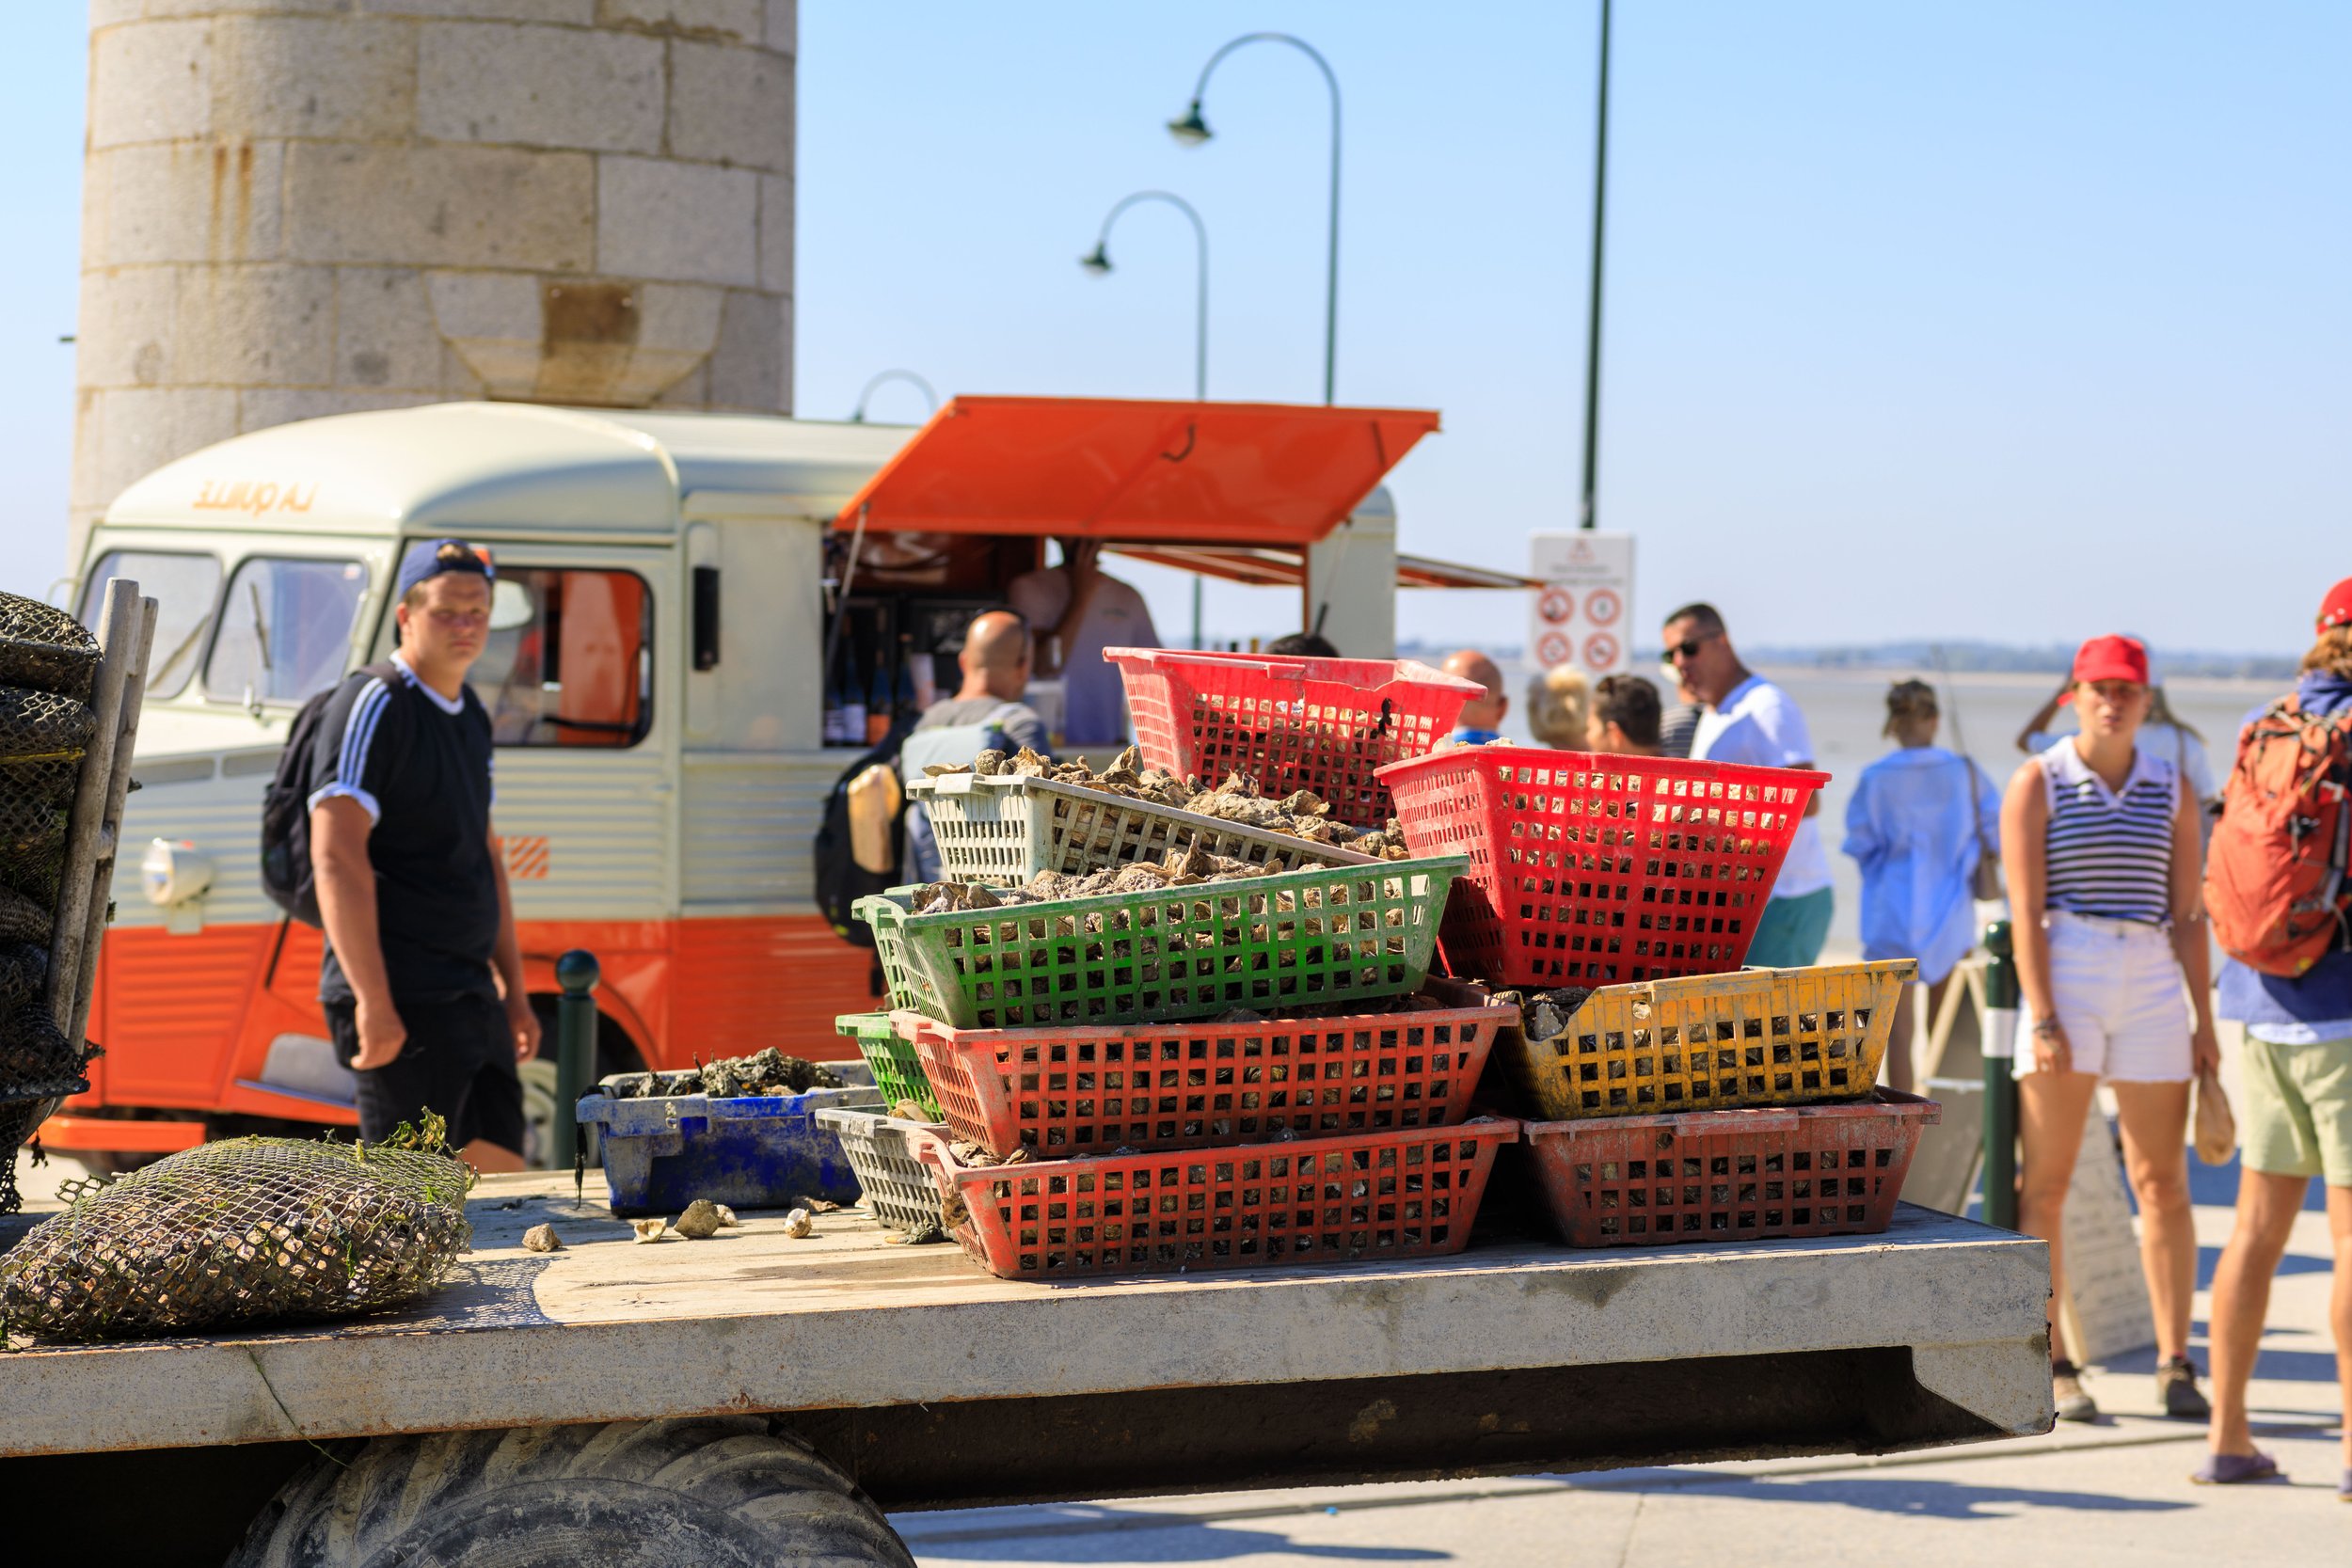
(1746, 718)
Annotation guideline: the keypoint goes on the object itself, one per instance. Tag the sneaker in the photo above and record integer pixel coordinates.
(2176, 1387)
(2066, 1388)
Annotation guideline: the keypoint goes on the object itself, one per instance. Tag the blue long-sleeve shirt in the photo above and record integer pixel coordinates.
(1910, 827)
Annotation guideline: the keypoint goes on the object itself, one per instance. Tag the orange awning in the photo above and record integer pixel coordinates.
(1279, 568)
(1115, 469)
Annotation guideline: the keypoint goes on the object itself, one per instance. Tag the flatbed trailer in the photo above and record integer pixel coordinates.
(882, 1375)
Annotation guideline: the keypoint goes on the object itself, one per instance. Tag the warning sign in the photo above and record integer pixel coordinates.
(1578, 618)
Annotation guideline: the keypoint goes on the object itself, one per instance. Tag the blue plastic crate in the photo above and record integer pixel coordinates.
(761, 1152)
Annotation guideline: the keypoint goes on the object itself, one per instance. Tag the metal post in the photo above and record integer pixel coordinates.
(575, 1046)
(2000, 1083)
(1588, 517)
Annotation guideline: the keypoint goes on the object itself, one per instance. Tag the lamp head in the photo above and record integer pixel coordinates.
(1191, 130)
(1097, 261)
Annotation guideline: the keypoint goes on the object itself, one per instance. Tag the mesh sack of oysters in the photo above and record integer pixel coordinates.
(1300, 815)
(251, 1230)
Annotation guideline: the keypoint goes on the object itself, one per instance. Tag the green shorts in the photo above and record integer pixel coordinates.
(2297, 1115)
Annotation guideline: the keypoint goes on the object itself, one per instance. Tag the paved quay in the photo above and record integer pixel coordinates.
(2115, 1492)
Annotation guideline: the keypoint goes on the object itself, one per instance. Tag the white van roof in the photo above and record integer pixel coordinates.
(508, 467)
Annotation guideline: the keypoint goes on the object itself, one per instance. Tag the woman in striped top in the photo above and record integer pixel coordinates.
(2100, 842)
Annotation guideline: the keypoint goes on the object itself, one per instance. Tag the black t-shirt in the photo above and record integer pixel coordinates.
(424, 775)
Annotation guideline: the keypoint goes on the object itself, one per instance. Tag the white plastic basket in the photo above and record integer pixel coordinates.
(1004, 829)
(897, 1186)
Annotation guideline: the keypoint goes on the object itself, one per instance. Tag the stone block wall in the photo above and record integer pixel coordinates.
(302, 207)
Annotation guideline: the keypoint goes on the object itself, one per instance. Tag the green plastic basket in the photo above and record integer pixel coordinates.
(897, 1066)
(1005, 829)
(1300, 939)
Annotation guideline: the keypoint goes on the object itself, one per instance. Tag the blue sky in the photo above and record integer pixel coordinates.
(1975, 319)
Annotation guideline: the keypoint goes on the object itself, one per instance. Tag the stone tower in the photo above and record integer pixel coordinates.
(302, 207)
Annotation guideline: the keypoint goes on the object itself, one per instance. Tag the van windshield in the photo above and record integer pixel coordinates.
(285, 629)
(182, 587)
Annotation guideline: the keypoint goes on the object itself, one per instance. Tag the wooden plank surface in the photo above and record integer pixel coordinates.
(611, 1329)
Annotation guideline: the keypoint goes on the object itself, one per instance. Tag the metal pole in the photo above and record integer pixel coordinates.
(2000, 1083)
(1587, 517)
(576, 972)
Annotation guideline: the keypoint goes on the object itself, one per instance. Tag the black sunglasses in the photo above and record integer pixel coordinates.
(1690, 647)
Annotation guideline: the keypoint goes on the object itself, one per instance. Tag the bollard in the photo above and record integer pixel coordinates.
(2000, 1083)
(574, 1047)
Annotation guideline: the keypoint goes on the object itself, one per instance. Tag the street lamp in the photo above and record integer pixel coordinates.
(1098, 261)
(1587, 516)
(857, 415)
(1191, 131)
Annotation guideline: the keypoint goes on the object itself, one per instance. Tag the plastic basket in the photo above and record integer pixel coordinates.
(1061, 1092)
(1300, 939)
(1005, 830)
(898, 1069)
(1408, 1194)
(897, 1185)
(1599, 870)
(1761, 1037)
(1721, 1176)
(756, 1151)
(1320, 724)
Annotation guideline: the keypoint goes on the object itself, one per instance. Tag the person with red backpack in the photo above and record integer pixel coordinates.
(2278, 893)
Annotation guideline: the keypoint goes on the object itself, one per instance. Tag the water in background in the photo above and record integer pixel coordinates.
(1846, 709)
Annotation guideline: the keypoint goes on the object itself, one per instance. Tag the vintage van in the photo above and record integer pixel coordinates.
(656, 674)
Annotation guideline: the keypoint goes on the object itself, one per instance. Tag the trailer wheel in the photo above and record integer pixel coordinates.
(724, 1491)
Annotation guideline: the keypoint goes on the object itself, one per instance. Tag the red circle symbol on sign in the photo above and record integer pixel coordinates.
(1600, 651)
(1557, 605)
(1554, 648)
(1601, 607)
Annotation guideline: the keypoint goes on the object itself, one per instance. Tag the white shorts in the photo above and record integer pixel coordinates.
(2119, 997)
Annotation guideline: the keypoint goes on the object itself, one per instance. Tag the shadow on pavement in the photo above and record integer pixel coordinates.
(2216, 1186)
(1924, 1498)
(1094, 1534)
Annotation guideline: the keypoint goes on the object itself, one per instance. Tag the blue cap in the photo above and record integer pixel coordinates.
(434, 557)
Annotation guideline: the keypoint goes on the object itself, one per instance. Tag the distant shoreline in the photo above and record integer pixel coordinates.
(1978, 661)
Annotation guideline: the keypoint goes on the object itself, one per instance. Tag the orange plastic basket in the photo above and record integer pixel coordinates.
(1599, 870)
(1721, 1176)
(1060, 1092)
(1319, 724)
(1372, 1196)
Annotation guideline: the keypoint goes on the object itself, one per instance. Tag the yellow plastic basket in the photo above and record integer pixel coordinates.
(1703, 1042)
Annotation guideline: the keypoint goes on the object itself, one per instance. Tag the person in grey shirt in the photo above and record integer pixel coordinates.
(995, 666)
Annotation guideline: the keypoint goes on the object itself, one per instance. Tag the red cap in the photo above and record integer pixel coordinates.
(2111, 658)
(2336, 608)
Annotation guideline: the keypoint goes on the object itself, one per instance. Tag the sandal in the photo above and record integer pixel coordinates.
(2236, 1469)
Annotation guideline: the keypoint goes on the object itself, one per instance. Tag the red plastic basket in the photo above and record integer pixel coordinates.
(1059, 1092)
(1320, 724)
(1719, 1176)
(1599, 870)
(1408, 1194)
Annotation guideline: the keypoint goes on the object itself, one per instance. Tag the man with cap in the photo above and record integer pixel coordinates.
(2295, 1121)
(411, 889)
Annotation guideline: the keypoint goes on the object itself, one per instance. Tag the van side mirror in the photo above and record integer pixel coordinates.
(706, 617)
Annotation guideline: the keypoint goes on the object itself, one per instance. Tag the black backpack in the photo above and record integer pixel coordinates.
(840, 880)
(286, 807)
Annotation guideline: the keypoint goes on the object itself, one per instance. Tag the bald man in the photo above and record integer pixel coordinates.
(1482, 717)
(986, 712)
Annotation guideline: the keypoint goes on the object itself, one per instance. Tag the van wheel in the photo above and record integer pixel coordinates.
(718, 1492)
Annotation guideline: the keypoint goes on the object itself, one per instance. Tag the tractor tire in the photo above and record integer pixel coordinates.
(721, 1491)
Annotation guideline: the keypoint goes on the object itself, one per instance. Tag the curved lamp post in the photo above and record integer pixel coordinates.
(857, 415)
(1192, 131)
(1098, 261)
